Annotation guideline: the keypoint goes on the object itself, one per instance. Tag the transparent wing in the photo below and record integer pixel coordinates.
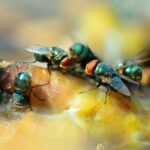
(119, 86)
(137, 62)
(128, 79)
(44, 50)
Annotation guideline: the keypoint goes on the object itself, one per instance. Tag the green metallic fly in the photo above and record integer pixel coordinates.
(22, 90)
(106, 76)
(21, 93)
(81, 57)
(55, 57)
(76, 59)
(82, 61)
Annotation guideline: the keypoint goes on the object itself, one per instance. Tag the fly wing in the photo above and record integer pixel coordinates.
(43, 50)
(137, 62)
(119, 86)
(128, 79)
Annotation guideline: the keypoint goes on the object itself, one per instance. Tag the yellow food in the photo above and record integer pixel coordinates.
(72, 121)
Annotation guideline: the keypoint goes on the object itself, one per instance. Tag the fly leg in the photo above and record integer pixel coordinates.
(49, 68)
(31, 90)
(99, 82)
(40, 85)
(88, 90)
(106, 96)
(97, 86)
(37, 96)
(108, 93)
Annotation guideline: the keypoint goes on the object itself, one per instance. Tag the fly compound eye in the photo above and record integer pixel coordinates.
(90, 67)
(66, 62)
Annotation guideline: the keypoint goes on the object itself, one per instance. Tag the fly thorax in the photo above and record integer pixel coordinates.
(102, 69)
(57, 59)
(57, 55)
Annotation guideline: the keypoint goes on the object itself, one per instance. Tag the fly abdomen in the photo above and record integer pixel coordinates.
(134, 72)
(41, 58)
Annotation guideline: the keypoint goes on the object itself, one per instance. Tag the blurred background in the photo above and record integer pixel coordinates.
(105, 25)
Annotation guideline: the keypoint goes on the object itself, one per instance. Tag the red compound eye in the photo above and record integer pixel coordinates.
(65, 62)
(90, 66)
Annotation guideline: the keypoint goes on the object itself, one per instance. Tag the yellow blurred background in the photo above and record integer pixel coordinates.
(124, 24)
